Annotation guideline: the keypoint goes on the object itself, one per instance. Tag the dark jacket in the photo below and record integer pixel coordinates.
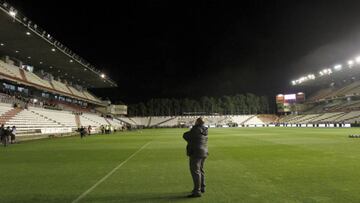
(196, 140)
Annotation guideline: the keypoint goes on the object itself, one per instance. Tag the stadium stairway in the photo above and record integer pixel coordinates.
(330, 117)
(9, 115)
(95, 123)
(248, 119)
(126, 120)
(322, 117)
(23, 76)
(107, 121)
(77, 120)
(224, 120)
(149, 122)
(47, 118)
(268, 118)
(67, 86)
(351, 118)
(308, 118)
(162, 122)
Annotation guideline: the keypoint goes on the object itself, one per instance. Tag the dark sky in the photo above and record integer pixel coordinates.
(197, 48)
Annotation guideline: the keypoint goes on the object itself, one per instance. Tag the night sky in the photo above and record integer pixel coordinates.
(179, 49)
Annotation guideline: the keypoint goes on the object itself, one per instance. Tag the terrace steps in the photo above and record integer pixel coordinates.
(9, 115)
(77, 120)
(167, 120)
(247, 120)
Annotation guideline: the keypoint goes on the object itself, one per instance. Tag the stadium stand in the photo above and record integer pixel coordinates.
(64, 118)
(212, 121)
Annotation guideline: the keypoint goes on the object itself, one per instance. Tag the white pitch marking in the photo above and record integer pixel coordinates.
(109, 174)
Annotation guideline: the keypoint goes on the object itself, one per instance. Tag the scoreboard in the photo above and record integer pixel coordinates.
(287, 102)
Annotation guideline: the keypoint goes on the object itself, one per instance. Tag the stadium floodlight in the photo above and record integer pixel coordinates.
(293, 82)
(2, 44)
(102, 75)
(338, 67)
(350, 63)
(12, 13)
(28, 33)
(311, 77)
(357, 59)
(53, 49)
(71, 61)
(16, 51)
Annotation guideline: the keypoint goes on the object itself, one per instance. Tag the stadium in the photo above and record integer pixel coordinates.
(306, 151)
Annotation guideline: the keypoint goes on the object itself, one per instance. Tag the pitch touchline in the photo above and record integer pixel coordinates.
(109, 174)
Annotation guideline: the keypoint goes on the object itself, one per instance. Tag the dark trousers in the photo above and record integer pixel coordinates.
(197, 173)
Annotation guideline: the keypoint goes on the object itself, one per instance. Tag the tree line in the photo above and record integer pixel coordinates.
(226, 105)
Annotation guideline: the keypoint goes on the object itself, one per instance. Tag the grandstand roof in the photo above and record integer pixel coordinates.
(344, 74)
(23, 39)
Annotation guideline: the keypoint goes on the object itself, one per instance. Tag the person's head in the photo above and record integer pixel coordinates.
(199, 121)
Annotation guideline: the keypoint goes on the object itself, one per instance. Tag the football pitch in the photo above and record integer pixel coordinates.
(245, 165)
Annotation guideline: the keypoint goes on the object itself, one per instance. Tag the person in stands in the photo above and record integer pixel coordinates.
(197, 151)
(13, 135)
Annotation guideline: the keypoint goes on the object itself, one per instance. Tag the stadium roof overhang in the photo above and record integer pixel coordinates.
(340, 76)
(22, 39)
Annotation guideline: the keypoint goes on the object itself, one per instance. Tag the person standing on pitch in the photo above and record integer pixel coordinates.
(197, 151)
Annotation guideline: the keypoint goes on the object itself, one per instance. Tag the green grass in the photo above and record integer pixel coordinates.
(245, 165)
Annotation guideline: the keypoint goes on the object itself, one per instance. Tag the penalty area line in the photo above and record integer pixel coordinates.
(109, 174)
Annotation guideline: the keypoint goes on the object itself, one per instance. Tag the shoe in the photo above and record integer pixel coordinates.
(203, 190)
(194, 195)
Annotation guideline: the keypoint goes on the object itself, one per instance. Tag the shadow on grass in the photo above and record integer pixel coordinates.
(170, 197)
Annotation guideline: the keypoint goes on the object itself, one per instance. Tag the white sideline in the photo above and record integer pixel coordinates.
(109, 174)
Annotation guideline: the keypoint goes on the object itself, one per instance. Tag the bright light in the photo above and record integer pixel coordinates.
(338, 67)
(35, 100)
(16, 51)
(1, 44)
(12, 13)
(293, 82)
(350, 63)
(357, 59)
(53, 49)
(325, 72)
(29, 57)
(71, 61)
(102, 75)
(28, 33)
(311, 76)
(290, 96)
